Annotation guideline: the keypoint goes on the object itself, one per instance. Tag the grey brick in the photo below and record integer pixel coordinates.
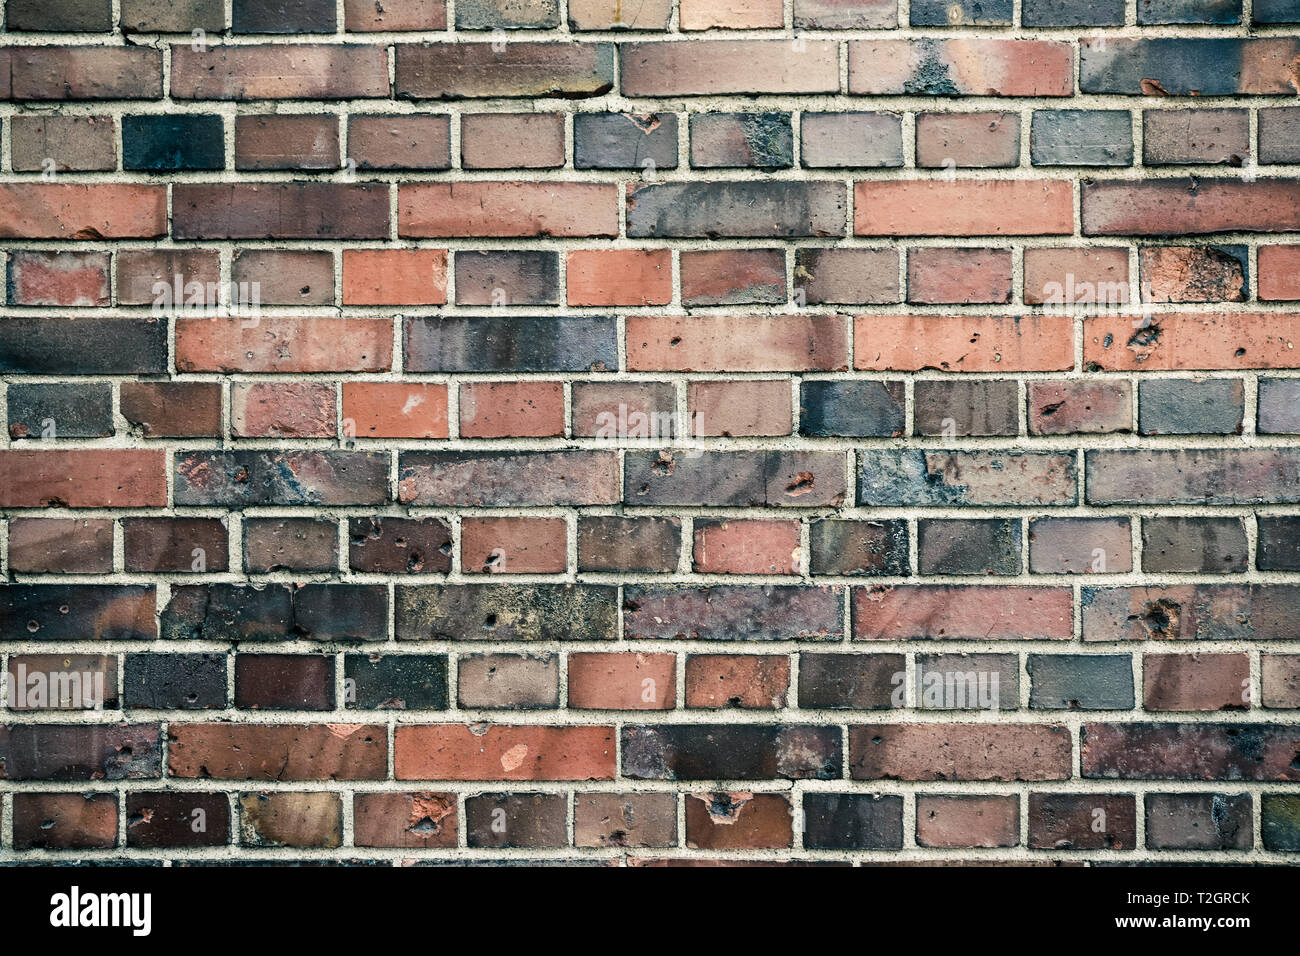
(61, 411)
(1205, 545)
(624, 140)
(1080, 681)
(1174, 406)
(854, 409)
(1081, 138)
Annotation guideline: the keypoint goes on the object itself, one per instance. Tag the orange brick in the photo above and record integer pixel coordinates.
(620, 277)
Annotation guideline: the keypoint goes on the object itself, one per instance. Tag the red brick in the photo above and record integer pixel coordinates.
(971, 207)
(707, 67)
(739, 408)
(739, 821)
(58, 278)
(747, 546)
(1076, 276)
(395, 16)
(280, 210)
(102, 478)
(511, 409)
(307, 141)
(733, 276)
(1163, 207)
(620, 277)
(498, 752)
(950, 140)
(511, 140)
(747, 681)
(264, 71)
(736, 343)
(507, 209)
(420, 819)
(278, 751)
(394, 410)
(969, 67)
(1067, 407)
(958, 821)
(959, 752)
(281, 409)
(513, 545)
(1279, 272)
(97, 211)
(963, 343)
(283, 344)
(961, 612)
(84, 73)
(622, 681)
(173, 409)
(1177, 342)
(394, 276)
(1195, 681)
(418, 141)
(958, 276)
(61, 545)
(65, 821)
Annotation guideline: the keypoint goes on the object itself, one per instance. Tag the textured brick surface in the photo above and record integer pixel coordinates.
(721, 431)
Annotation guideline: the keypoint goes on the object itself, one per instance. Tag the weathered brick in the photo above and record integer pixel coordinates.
(968, 546)
(963, 820)
(175, 681)
(858, 409)
(1080, 546)
(280, 211)
(177, 818)
(60, 411)
(174, 544)
(746, 546)
(516, 69)
(731, 752)
(1179, 66)
(625, 140)
(624, 819)
(497, 479)
(1279, 543)
(290, 544)
(1196, 682)
(61, 545)
(399, 545)
(1080, 681)
(850, 140)
(715, 67)
(1202, 137)
(958, 276)
(736, 343)
(1279, 272)
(1193, 273)
(516, 819)
(513, 545)
(83, 752)
(734, 478)
(257, 71)
(1165, 207)
(172, 16)
(1277, 133)
(84, 73)
(64, 821)
(516, 209)
(58, 278)
(1203, 612)
(1069, 13)
(84, 478)
(966, 407)
(420, 820)
(732, 276)
(1169, 406)
(959, 752)
(498, 752)
(858, 547)
(936, 478)
(748, 208)
(1199, 821)
(395, 681)
(732, 613)
(1193, 476)
(395, 15)
(938, 67)
(1070, 407)
(250, 478)
(507, 612)
(1081, 138)
(282, 409)
(282, 818)
(511, 140)
(1204, 545)
(852, 821)
(851, 681)
(1280, 823)
(852, 276)
(736, 408)
(963, 343)
(622, 681)
(513, 681)
(745, 681)
(721, 140)
(1073, 821)
(285, 277)
(950, 140)
(962, 612)
(1166, 751)
(322, 612)
(614, 543)
(88, 211)
(73, 143)
(962, 208)
(306, 141)
(277, 751)
(416, 141)
(739, 821)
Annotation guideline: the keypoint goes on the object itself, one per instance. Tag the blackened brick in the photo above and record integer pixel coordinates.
(395, 681)
(1205, 545)
(741, 139)
(61, 411)
(852, 821)
(449, 343)
(953, 408)
(1279, 543)
(1173, 406)
(731, 752)
(624, 141)
(399, 545)
(1080, 681)
(284, 16)
(177, 818)
(1199, 821)
(173, 143)
(175, 681)
(855, 409)
(859, 547)
(851, 681)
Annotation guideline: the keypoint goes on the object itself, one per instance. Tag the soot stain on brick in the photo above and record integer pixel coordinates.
(931, 76)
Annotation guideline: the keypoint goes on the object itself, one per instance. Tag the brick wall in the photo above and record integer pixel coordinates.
(723, 429)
